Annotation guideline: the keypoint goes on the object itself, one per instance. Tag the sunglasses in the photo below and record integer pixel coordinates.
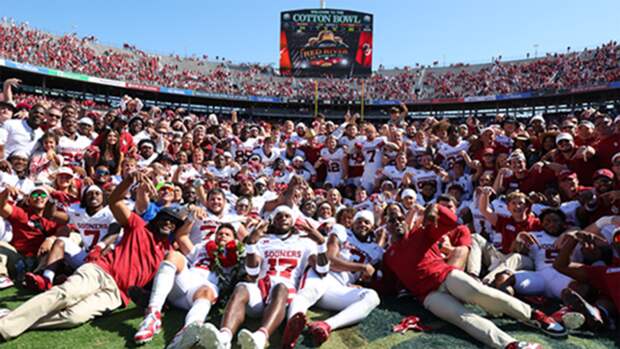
(176, 143)
(167, 189)
(38, 195)
(102, 172)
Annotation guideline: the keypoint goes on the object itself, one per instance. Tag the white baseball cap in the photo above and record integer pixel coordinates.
(563, 137)
(87, 121)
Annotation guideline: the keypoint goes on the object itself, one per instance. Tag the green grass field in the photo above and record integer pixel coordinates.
(116, 331)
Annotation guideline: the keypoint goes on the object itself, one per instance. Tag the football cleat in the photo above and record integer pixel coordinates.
(150, 326)
(212, 338)
(293, 329)
(186, 338)
(248, 340)
(546, 324)
(320, 332)
(37, 282)
(593, 317)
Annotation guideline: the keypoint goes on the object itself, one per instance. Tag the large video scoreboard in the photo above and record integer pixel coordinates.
(325, 42)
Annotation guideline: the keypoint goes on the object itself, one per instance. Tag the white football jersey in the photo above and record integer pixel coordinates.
(451, 153)
(223, 175)
(267, 160)
(284, 261)
(353, 250)
(422, 176)
(204, 230)
(373, 154)
(396, 175)
(92, 228)
(71, 150)
(334, 165)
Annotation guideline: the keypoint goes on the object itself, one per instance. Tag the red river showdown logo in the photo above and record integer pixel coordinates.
(325, 50)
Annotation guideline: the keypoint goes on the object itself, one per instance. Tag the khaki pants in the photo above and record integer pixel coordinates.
(483, 253)
(459, 288)
(88, 293)
(8, 259)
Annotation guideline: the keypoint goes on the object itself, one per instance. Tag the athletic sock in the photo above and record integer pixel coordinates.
(355, 312)
(226, 335)
(49, 274)
(198, 312)
(261, 337)
(162, 285)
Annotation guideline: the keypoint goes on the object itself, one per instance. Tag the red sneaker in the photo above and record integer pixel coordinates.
(523, 345)
(569, 318)
(37, 282)
(320, 331)
(546, 324)
(150, 326)
(293, 329)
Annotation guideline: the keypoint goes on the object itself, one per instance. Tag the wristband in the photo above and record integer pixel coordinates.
(322, 269)
(101, 244)
(250, 249)
(322, 248)
(252, 271)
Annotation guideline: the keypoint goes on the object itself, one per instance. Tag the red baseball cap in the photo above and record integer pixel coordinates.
(603, 172)
(567, 174)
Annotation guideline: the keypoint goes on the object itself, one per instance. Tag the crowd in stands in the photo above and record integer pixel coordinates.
(22, 43)
(209, 210)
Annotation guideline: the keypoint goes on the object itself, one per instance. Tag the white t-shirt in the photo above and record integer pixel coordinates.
(17, 135)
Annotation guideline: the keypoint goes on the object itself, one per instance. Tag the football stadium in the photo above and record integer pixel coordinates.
(333, 194)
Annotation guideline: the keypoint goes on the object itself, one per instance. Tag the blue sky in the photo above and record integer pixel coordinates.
(405, 32)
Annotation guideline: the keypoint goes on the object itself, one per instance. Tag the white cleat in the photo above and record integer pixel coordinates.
(573, 320)
(210, 337)
(186, 338)
(248, 340)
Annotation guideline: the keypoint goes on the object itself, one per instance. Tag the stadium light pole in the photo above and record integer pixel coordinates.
(322, 4)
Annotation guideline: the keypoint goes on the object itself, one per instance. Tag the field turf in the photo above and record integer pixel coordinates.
(116, 331)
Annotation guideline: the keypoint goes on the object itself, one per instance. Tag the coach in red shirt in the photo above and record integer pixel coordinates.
(417, 263)
(33, 235)
(101, 286)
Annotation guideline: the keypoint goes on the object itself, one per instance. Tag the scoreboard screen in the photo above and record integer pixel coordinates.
(325, 43)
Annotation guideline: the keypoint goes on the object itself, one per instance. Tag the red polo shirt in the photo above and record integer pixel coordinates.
(135, 260)
(416, 261)
(29, 231)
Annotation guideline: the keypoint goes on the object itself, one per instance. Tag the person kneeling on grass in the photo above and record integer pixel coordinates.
(417, 263)
(603, 312)
(101, 286)
(190, 280)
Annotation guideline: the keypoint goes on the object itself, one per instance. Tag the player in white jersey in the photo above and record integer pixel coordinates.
(222, 172)
(71, 145)
(542, 247)
(92, 219)
(217, 212)
(268, 154)
(189, 280)
(429, 173)
(353, 254)
(373, 154)
(334, 160)
(397, 172)
(277, 256)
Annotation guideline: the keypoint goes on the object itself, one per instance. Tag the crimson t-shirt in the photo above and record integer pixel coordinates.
(606, 279)
(532, 181)
(29, 231)
(509, 228)
(416, 260)
(135, 260)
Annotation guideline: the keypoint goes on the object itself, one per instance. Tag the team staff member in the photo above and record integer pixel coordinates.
(417, 263)
(101, 286)
(33, 235)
